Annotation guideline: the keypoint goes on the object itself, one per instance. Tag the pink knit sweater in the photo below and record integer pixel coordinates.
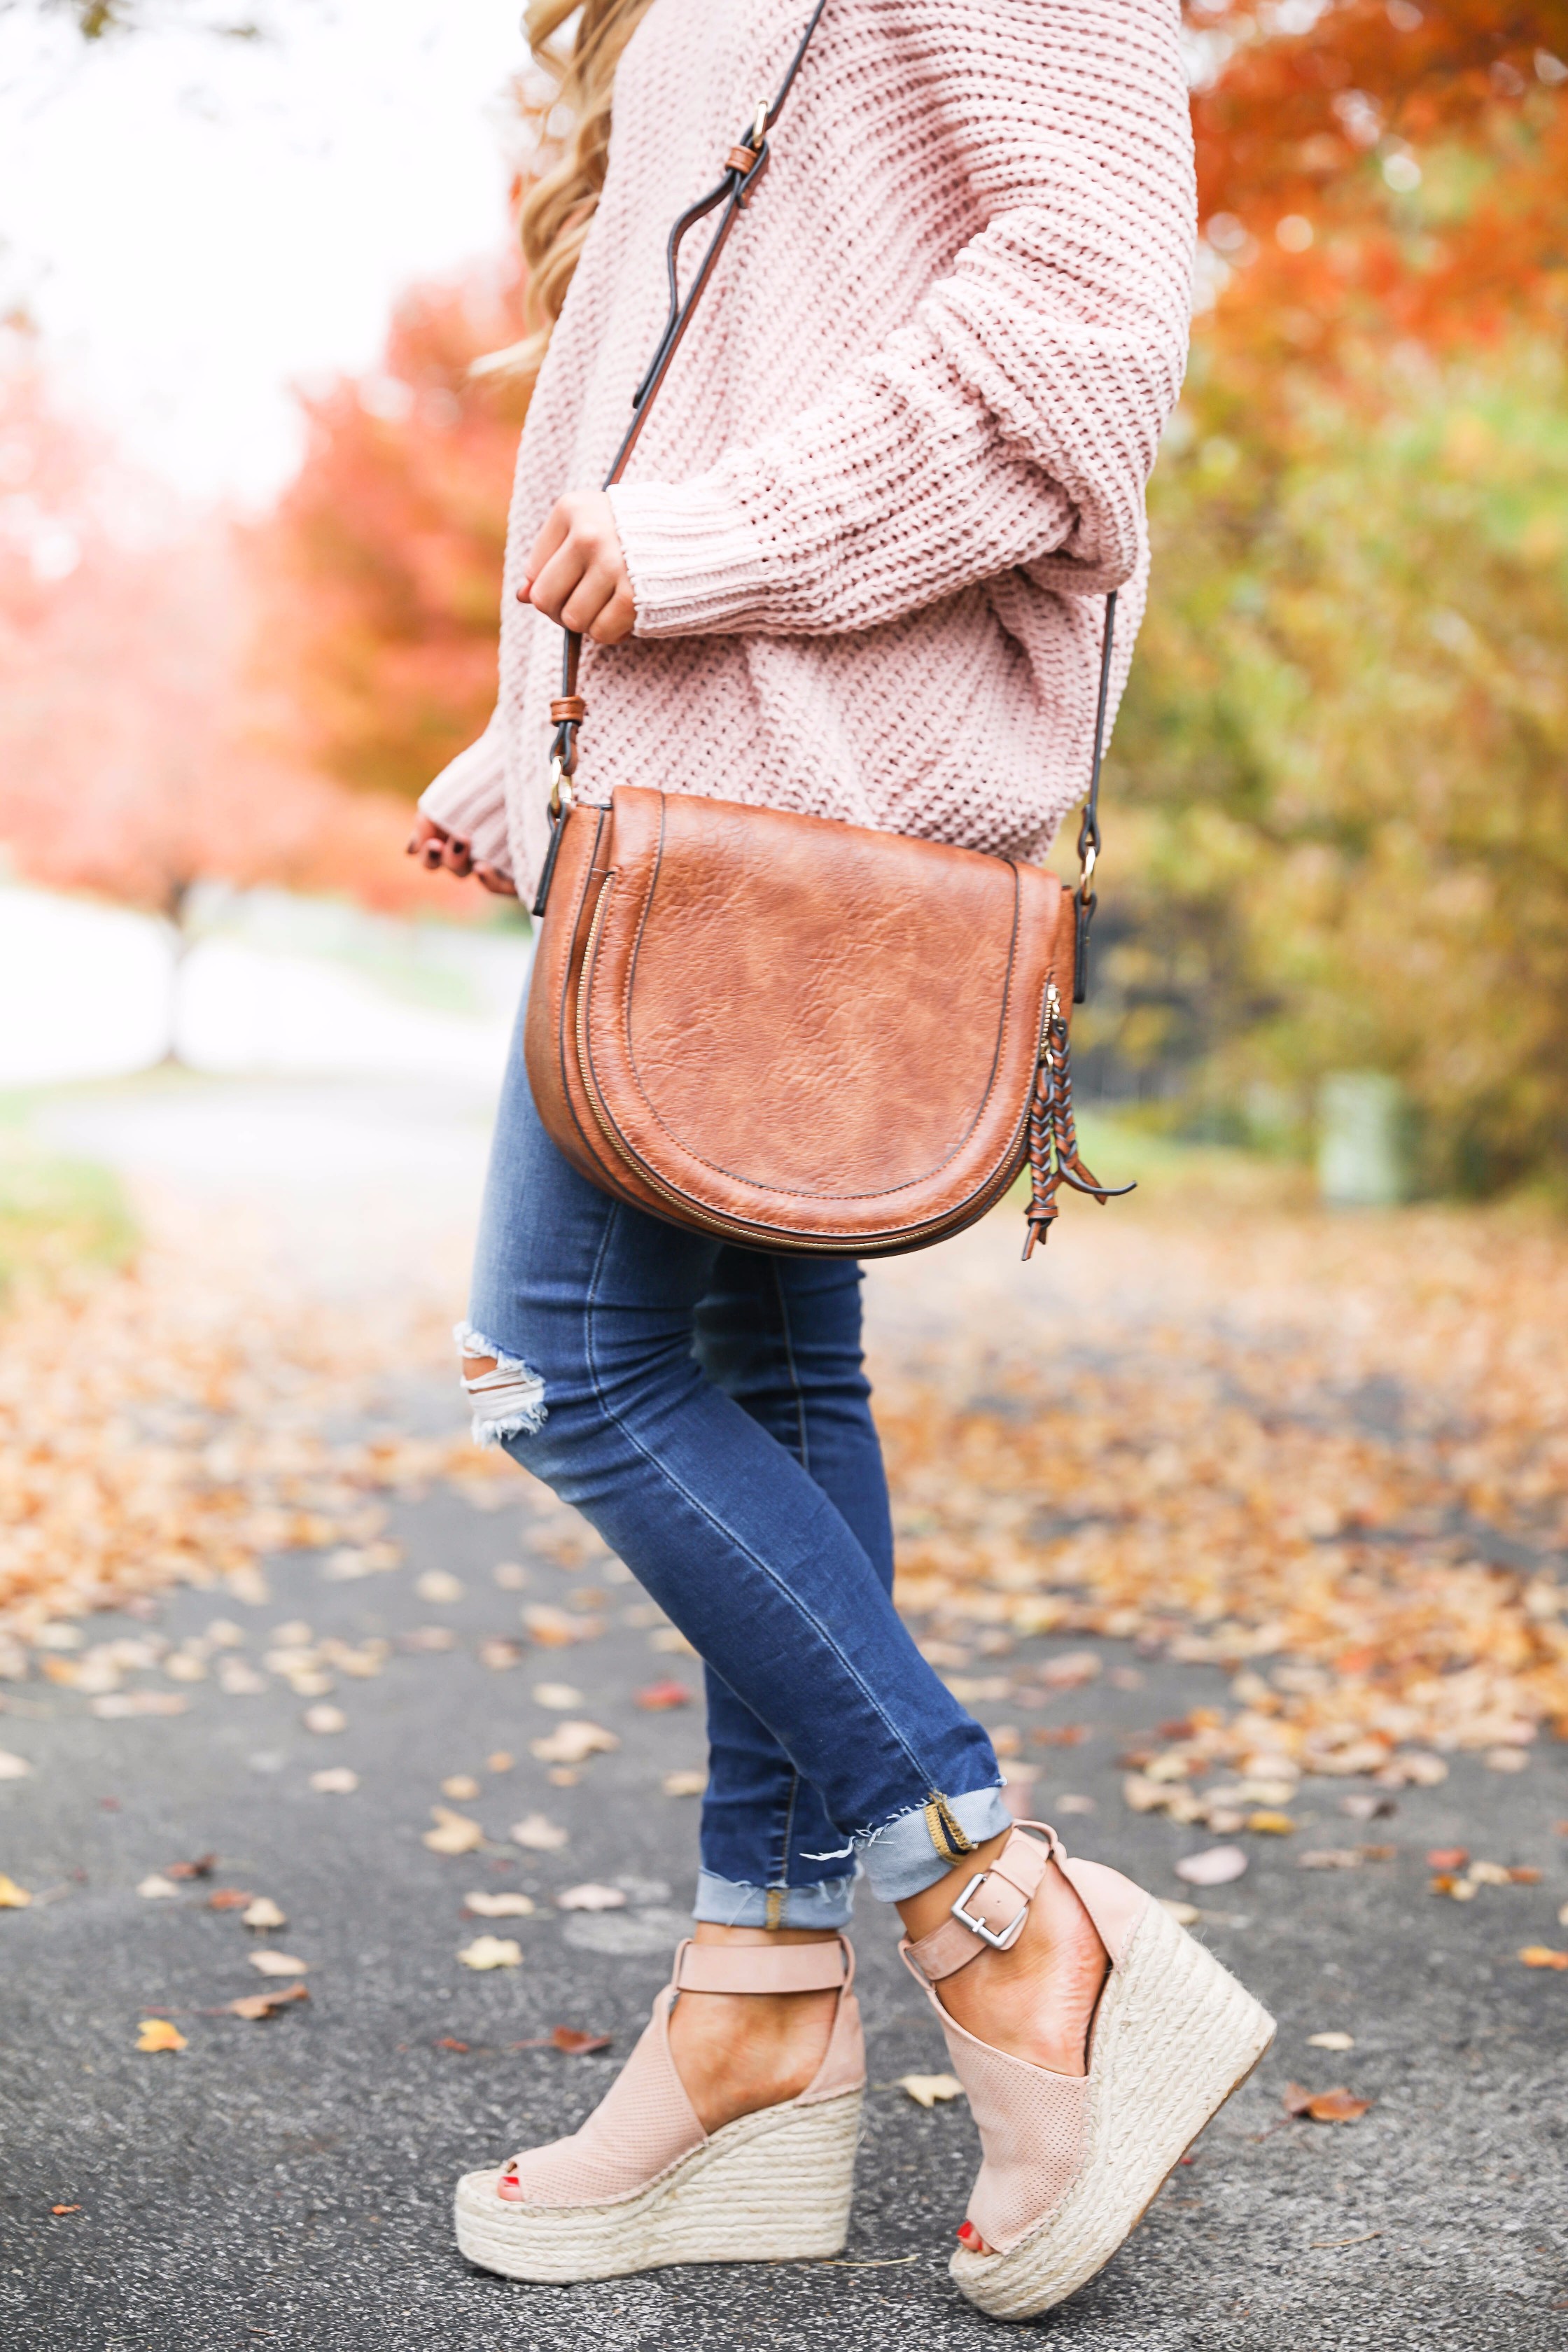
(903, 449)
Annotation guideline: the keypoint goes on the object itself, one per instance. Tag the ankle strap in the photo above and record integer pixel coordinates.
(762, 1968)
(992, 1909)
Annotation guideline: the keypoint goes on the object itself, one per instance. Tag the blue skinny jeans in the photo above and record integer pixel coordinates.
(705, 1408)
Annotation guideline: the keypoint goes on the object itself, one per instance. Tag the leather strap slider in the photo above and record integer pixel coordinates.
(741, 159)
(992, 1909)
(568, 711)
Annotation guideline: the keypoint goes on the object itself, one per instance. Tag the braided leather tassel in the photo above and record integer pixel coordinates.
(1054, 1157)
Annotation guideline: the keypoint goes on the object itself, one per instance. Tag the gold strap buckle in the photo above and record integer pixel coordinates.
(560, 792)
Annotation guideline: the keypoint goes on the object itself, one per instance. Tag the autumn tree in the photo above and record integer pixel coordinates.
(380, 574)
(131, 760)
(1343, 757)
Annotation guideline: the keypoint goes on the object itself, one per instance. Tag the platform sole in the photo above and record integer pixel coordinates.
(772, 2188)
(1174, 2037)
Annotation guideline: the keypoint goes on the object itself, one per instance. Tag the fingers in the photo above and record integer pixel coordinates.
(491, 879)
(577, 573)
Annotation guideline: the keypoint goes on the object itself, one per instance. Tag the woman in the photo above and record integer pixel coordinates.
(855, 571)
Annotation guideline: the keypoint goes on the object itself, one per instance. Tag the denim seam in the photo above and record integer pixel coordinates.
(703, 1511)
(795, 1388)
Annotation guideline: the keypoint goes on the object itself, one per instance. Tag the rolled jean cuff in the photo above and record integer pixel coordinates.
(730, 1903)
(904, 1857)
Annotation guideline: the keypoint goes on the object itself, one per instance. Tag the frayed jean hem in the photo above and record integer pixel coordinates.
(729, 1903)
(905, 1857)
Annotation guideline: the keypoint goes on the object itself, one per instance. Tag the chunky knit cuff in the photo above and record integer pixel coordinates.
(696, 563)
(468, 798)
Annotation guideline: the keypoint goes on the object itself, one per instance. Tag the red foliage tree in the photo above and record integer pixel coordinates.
(1384, 171)
(380, 572)
(130, 762)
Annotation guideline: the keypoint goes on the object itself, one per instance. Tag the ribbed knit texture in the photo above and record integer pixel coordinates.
(903, 449)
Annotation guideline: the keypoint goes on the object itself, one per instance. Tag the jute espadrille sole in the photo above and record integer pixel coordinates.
(772, 2188)
(1176, 2035)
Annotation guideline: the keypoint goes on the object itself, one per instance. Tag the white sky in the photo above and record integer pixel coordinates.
(196, 223)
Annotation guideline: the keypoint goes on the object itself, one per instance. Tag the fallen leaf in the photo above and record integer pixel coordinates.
(1336, 2106)
(557, 1628)
(927, 2089)
(157, 2034)
(450, 2041)
(577, 2044)
(1488, 1874)
(115, 1705)
(500, 1906)
(334, 1781)
(202, 1868)
(1541, 1956)
(1524, 1873)
(229, 1898)
(1270, 1824)
(499, 1655)
(501, 1761)
(1071, 1804)
(657, 1697)
(1461, 1890)
(325, 1720)
(1562, 1917)
(454, 1832)
(538, 1834)
(559, 1696)
(278, 1964)
(1068, 1672)
(686, 1783)
(1217, 1866)
(1363, 1808)
(258, 2005)
(13, 1767)
(1184, 1914)
(1331, 2042)
(510, 1575)
(573, 1743)
(157, 1888)
(16, 1898)
(65, 2208)
(1060, 1735)
(264, 1913)
(591, 1896)
(1447, 1857)
(1505, 1759)
(437, 1586)
(491, 1952)
(461, 1786)
(428, 1637)
(1329, 1857)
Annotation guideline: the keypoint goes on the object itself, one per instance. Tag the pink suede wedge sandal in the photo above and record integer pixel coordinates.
(1071, 2161)
(642, 2184)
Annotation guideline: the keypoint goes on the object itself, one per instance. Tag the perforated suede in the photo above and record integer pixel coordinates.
(1031, 2125)
(643, 2123)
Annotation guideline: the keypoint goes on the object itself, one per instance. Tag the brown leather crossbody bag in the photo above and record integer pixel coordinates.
(799, 1035)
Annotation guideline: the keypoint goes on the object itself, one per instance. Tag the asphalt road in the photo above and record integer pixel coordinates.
(288, 2182)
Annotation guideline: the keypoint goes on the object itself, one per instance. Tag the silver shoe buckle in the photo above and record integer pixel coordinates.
(1008, 1936)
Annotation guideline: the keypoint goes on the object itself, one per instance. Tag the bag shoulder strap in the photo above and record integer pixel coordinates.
(743, 167)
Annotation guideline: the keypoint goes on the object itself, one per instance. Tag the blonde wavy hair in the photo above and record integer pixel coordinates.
(570, 115)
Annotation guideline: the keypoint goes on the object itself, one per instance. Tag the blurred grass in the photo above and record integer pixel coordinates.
(59, 1217)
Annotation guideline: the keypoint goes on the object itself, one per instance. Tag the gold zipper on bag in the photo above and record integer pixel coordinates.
(712, 1218)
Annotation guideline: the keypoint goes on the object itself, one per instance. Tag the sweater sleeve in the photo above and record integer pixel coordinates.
(1014, 420)
(468, 797)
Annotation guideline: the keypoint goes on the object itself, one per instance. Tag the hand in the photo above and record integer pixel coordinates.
(577, 573)
(436, 849)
